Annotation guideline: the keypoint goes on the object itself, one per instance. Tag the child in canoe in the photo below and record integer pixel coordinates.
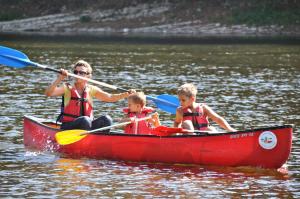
(194, 116)
(137, 109)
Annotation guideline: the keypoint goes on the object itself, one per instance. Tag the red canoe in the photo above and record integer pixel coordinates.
(264, 147)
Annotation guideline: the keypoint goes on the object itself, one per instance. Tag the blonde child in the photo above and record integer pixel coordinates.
(137, 109)
(194, 116)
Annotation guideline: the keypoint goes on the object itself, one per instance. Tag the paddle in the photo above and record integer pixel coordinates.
(14, 58)
(72, 136)
(168, 131)
(168, 103)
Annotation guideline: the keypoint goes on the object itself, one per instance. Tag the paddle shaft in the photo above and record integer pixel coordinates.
(114, 126)
(83, 78)
(31, 63)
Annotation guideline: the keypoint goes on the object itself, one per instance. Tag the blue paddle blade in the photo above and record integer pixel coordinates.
(12, 52)
(13, 61)
(165, 102)
(13, 58)
(170, 98)
(169, 108)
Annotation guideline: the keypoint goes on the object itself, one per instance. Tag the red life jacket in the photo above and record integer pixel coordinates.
(77, 106)
(199, 120)
(142, 127)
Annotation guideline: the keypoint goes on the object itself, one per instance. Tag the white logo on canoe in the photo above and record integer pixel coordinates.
(267, 140)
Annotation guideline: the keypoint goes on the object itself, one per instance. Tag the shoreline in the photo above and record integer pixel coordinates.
(148, 21)
(149, 38)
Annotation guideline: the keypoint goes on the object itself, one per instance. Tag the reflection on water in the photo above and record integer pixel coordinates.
(250, 85)
(103, 178)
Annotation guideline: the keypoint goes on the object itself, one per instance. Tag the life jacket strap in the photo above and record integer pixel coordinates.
(194, 120)
(191, 114)
(70, 115)
(61, 110)
(79, 99)
(198, 126)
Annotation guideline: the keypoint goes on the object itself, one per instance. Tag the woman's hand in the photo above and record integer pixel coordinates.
(131, 91)
(63, 74)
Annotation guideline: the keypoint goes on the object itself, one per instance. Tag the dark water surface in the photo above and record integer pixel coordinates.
(250, 85)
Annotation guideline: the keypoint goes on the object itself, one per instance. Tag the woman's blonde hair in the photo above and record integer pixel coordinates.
(84, 64)
(138, 98)
(188, 90)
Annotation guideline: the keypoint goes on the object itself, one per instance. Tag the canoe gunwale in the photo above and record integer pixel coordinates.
(42, 122)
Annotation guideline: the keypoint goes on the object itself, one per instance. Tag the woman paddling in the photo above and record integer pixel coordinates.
(77, 104)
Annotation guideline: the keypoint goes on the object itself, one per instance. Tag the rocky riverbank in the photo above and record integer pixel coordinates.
(153, 19)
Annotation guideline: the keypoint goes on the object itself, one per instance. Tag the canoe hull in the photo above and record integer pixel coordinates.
(265, 148)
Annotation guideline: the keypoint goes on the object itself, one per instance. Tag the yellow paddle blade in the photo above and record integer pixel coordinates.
(69, 136)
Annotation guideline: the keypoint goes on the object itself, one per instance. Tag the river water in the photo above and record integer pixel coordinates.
(251, 85)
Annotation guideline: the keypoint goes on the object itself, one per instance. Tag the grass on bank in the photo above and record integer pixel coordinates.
(265, 15)
(254, 12)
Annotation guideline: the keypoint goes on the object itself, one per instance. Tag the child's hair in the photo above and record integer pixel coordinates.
(188, 90)
(84, 64)
(138, 98)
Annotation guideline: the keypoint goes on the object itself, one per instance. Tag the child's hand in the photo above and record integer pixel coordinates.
(132, 119)
(155, 116)
(155, 119)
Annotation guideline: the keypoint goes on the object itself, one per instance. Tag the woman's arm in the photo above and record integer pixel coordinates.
(217, 118)
(55, 90)
(107, 97)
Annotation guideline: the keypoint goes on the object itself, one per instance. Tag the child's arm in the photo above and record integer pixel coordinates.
(217, 118)
(125, 119)
(178, 118)
(122, 120)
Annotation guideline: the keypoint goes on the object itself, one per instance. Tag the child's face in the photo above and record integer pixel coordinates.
(133, 107)
(185, 101)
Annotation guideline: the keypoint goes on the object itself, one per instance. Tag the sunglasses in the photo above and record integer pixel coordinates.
(76, 72)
